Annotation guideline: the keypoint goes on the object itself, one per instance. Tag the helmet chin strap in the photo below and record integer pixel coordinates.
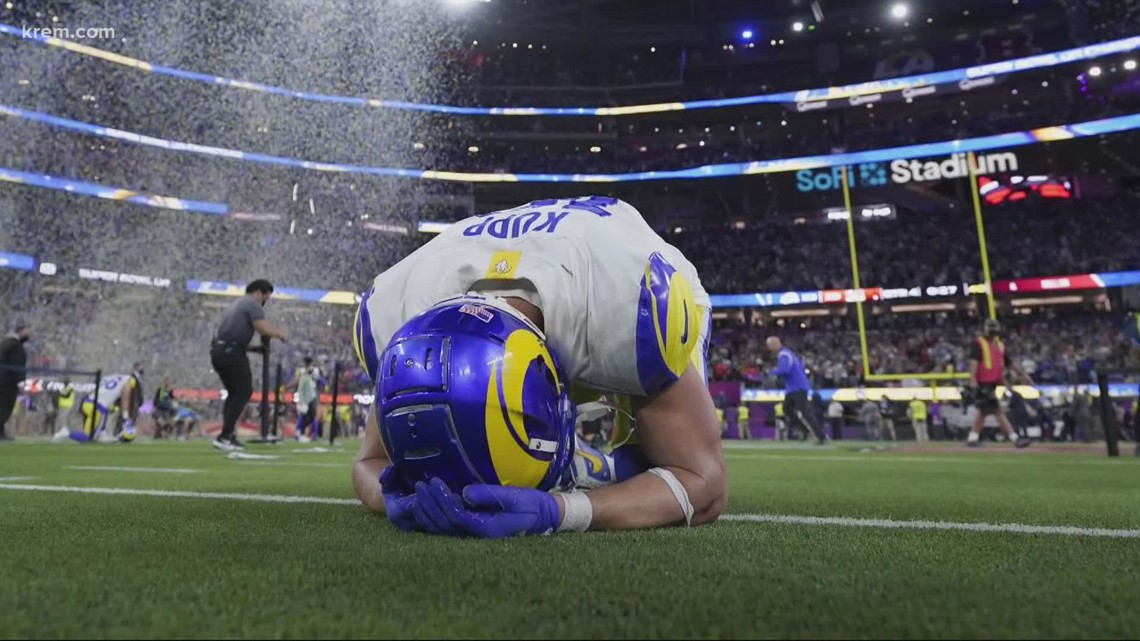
(594, 410)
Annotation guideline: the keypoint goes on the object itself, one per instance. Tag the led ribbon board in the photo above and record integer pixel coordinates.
(817, 96)
(727, 170)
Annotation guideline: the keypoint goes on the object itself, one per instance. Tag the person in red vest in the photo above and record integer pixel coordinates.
(988, 360)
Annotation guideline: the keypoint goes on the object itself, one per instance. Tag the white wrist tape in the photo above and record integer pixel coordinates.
(679, 491)
(579, 512)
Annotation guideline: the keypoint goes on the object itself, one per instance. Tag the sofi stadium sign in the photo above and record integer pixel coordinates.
(903, 171)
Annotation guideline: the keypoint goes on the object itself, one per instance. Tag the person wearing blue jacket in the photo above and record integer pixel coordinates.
(797, 408)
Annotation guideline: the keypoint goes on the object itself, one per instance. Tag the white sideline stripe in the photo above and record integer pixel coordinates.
(5, 479)
(1011, 528)
(868, 457)
(265, 498)
(879, 457)
(156, 470)
(344, 466)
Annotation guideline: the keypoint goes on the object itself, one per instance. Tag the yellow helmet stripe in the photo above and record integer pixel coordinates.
(506, 437)
(357, 340)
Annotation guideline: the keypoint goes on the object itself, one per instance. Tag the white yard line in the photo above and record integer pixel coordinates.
(143, 470)
(866, 458)
(1010, 528)
(347, 465)
(7, 479)
(264, 498)
(881, 457)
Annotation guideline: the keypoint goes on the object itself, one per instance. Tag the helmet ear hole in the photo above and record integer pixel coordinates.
(547, 372)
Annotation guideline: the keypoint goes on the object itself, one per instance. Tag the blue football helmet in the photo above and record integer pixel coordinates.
(469, 392)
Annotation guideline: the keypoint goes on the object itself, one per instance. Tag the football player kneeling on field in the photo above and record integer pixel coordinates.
(122, 394)
(491, 342)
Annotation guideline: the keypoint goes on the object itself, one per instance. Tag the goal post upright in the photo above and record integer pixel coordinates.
(983, 249)
(855, 271)
(858, 285)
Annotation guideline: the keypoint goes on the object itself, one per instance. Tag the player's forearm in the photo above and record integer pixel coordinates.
(974, 372)
(366, 482)
(265, 328)
(647, 501)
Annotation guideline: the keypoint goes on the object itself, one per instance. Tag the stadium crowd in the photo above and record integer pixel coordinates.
(1062, 347)
(86, 324)
(1025, 239)
(316, 236)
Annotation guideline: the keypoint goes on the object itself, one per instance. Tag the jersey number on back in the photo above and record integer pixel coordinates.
(540, 215)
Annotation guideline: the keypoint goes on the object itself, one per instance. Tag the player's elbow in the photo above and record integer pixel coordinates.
(710, 492)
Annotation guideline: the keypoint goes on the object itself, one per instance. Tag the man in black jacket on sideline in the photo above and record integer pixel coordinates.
(13, 361)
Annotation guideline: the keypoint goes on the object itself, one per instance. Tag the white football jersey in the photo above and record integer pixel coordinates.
(623, 310)
(111, 389)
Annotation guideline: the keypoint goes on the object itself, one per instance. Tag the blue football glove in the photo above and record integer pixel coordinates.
(399, 499)
(494, 511)
(430, 511)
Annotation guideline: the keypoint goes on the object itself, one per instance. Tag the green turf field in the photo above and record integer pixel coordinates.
(127, 565)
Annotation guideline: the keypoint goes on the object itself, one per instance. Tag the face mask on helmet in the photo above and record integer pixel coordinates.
(469, 392)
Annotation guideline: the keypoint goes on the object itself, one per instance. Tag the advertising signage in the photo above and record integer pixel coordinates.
(904, 171)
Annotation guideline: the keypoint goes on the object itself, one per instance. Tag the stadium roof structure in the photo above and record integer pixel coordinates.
(680, 20)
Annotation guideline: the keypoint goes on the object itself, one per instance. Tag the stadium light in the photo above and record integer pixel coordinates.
(1094, 71)
(1130, 65)
(473, 149)
(899, 10)
(797, 26)
(747, 34)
